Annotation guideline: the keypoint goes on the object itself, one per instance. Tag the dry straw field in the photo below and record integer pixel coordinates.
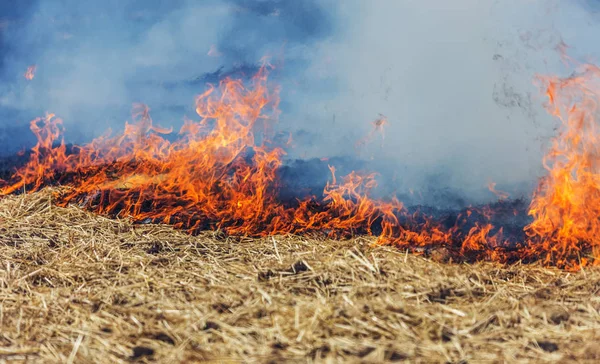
(77, 287)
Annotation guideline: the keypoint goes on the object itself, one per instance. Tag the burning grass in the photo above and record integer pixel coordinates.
(218, 175)
(81, 286)
(76, 286)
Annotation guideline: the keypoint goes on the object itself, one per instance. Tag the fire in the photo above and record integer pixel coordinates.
(566, 205)
(217, 175)
(214, 176)
(30, 73)
(502, 195)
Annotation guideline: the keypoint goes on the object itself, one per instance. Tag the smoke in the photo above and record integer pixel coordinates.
(453, 79)
(94, 60)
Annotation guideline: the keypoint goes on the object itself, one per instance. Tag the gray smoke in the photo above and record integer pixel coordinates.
(455, 81)
(95, 59)
(453, 78)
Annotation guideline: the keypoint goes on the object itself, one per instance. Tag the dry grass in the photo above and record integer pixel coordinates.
(75, 287)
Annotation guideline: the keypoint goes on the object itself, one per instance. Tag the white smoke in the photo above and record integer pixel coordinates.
(453, 78)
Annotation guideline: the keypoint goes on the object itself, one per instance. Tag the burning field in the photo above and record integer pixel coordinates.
(139, 246)
(215, 242)
(216, 175)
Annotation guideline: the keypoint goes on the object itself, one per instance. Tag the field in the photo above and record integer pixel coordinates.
(77, 287)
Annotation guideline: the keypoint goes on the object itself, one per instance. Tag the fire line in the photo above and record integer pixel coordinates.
(217, 176)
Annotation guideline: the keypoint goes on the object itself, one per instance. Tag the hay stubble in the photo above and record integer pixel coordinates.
(77, 287)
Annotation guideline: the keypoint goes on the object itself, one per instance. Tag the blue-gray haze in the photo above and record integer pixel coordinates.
(453, 78)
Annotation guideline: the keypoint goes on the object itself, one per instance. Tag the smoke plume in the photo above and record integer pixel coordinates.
(452, 79)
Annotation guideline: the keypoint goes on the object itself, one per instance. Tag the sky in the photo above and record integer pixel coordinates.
(454, 79)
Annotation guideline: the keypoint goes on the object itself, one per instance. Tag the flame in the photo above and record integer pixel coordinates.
(30, 73)
(217, 175)
(566, 204)
(501, 195)
(214, 176)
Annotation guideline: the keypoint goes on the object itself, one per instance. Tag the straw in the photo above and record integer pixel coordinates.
(77, 287)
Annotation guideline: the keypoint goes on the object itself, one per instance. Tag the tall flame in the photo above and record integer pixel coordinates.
(217, 175)
(566, 205)
(214, 176)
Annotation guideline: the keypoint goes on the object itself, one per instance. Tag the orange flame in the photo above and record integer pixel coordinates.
(566, 205)
(30, 73)
(500, 194)
(216, 175)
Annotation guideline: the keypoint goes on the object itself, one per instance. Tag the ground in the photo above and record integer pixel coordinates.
(76, 287)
